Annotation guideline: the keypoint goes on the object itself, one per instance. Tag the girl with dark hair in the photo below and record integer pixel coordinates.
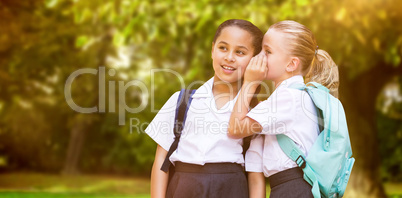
(207, 162)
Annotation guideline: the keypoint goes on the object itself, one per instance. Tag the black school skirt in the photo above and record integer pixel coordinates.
(219, 180)
(289, 184)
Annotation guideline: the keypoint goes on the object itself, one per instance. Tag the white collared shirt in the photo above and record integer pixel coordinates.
(287, 111)
(204, 138)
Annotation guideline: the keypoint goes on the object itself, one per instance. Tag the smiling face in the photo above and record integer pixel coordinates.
(274, 46)
(231, 53)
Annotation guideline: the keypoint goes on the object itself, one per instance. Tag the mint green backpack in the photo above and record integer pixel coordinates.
(328, 165)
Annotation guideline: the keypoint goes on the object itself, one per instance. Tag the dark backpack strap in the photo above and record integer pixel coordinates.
(246, 145)
(183, 103)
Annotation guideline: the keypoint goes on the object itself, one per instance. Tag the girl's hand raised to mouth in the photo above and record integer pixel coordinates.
(257, 69)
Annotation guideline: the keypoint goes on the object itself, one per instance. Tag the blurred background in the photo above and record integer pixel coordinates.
(57, 56)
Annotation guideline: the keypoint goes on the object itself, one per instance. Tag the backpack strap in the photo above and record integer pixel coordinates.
(246, 145)
(318, 85)
(319, 108)
(183, 103)
(290, 148)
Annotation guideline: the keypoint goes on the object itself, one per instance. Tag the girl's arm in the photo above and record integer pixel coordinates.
(256, 185)
(159, 179)
(239, 124)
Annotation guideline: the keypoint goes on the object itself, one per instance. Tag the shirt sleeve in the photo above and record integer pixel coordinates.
(254, 160)
(161, 127)
(276, 114)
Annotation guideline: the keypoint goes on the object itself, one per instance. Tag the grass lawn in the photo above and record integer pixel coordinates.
(37, 185)
(27, 185)
(64, 195)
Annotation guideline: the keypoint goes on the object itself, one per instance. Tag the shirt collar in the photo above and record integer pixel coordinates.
(298, 79)
(205, 90)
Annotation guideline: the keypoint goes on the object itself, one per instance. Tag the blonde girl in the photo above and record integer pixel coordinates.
(290, 52)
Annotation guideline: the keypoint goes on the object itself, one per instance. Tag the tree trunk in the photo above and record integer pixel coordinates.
(358, 97)
(81, 125)
(77, 138)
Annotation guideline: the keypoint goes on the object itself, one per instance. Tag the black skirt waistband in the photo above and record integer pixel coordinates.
(208, 168)
(284, 176)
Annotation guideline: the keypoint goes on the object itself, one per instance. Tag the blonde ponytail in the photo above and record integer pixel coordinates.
(316, 64)
(324, 71)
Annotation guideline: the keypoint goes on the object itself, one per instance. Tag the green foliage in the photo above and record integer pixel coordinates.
(390, 138)
(389, 116)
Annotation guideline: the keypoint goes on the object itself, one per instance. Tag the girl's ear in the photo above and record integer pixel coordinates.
(293, 64)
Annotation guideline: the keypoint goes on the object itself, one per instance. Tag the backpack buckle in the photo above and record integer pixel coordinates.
(301, 162)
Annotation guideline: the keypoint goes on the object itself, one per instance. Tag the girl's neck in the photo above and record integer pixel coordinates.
(278, 81)
(229, 89)
(224, 92)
